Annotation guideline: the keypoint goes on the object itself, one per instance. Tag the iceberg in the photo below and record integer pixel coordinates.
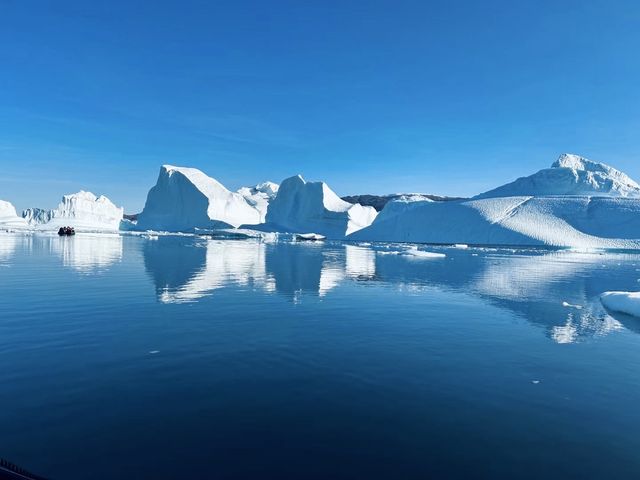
(83, 210)
(260, 196)
(302, 206)
(9, 218)
(622, 302)
(36, 216)
(571, 175)
(185, 198)
(607, 217)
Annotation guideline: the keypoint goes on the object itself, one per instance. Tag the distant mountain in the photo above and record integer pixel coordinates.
(379, 201)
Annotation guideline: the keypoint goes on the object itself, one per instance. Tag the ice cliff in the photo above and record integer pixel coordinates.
(185, 198)
(9, 218)
(302, 206)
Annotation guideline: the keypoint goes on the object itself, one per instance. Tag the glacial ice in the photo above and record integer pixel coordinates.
(185, 198)
(608, 217)
(303, 207)
(9, 218)
(622, 302)
(83, 211)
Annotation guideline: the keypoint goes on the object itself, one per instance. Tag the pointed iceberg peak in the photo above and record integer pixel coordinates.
(571, 160)
(185, 198)
(571, 175)
(302, 207)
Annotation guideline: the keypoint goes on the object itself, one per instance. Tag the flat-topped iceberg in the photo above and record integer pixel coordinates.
(571, 175)
(8, 216)
(185, 198)
(302, 206)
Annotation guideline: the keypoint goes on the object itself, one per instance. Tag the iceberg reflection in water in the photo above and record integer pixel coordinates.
(286, 358)
(556, 290)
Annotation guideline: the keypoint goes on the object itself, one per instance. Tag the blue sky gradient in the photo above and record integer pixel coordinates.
(447, 97)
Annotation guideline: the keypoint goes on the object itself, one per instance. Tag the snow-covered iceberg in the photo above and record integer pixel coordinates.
(83, 210)
(302, 206)
(185, 198)
(622, 302)
(570, 175)
(606, 218)
(260, 196)
(9, 218)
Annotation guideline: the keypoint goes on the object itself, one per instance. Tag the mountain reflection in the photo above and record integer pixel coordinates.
(557, 291)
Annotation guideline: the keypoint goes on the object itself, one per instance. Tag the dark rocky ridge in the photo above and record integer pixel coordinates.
(379, 201)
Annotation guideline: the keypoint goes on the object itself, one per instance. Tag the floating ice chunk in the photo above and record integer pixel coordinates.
(569, 305)
(623, 302)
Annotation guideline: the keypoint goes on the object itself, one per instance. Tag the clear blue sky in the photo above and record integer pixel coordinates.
(450, 97)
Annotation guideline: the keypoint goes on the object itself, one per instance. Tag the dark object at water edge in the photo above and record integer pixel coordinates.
(9, 471)
(66, 231)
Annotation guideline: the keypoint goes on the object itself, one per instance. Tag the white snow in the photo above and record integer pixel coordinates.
(9, 218)
(259, 196)
(302, 206)
(185, 198)
(608, 220)
(623, 302)
(83, 211)
(571, 175)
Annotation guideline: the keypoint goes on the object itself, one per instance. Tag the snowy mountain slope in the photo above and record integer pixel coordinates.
(260, 196)
(9, 218)
(185, 198)
(83, 211)
(575, 203)
(571, 175)
(302, 206)
(584, 222)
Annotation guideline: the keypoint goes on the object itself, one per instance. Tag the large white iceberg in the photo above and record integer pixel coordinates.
(302, 206)
(185, 198)
(260, 196)
(9, 218)
(623, 302)
(570, 175)
(603, 219)
(83, 210)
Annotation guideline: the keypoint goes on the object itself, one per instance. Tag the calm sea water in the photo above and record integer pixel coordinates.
(182, 357)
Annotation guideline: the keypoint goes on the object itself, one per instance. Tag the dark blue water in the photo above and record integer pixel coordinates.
(180, 357)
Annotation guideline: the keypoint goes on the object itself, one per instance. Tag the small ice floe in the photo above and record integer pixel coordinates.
(415, 253)
(309, 237)
(149, 236)
(622, 302)
(535, 382)
(461, 245)
(153, 352)
(569, 305)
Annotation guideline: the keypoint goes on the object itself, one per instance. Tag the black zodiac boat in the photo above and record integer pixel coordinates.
(66, 231)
